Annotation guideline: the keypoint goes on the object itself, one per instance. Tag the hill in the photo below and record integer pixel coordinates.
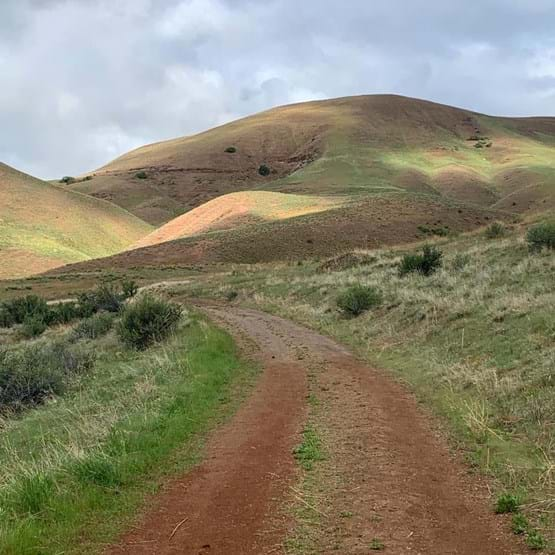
(43, 226)
(347, 146)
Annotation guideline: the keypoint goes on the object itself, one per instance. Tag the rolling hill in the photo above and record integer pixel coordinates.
(43, 226)
(349, 146)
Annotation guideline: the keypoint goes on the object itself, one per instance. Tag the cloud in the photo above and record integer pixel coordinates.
(85, 80)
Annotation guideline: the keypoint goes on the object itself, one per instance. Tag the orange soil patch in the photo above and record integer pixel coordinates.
(236, 209)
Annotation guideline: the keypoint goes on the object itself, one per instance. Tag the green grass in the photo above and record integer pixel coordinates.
(475, 341)
(75, 472)
(310, 450)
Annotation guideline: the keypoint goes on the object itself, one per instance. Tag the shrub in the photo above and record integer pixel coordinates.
(105, 297)
(231, 295)
(357, 299)
(231, 149)
(141, 175)
(495, 230)
(94, 327)
(507, 503)
(67, 179)
(33, 326)
(16, 311)
(541, 236)
(426, 263)
(33, 372)
(264, 170)
(147, 321)
(129, 288)
(63, 313)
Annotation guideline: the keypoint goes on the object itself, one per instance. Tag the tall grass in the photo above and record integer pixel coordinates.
(75, 471)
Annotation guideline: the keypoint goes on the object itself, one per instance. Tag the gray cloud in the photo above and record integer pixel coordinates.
(85, 80)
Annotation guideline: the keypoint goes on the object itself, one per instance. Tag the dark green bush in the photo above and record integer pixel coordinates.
(426, 263)
(147, 321)
(141, 175)
(104, 297)
(64, 313)
(357, 299)
(264, 170)
(67, 179)
(33, 326)
(231, 295)
(495, 230)
(541, 236)
(16, 311)
(31, 373)
(231, 149)
(94, 327)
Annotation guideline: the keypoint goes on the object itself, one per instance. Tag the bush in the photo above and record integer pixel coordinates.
(16, 311)
(426, 263)
(67, 179)
(129, 288)
(264, 170)
(64, 313)
(31, 373)
(105, 297)
(94, 327)
(141, 175)
(541, 236)
(495, 230)
(358, 299)
(231, 149)
(33, 326)
(147, 321)
(231, 295)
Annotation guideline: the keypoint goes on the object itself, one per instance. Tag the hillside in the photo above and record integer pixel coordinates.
(347, 146)
(43, 226)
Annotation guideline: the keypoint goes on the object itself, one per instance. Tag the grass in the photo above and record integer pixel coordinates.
(310, 450)
(75, 471)
(43, 225)
(475, 341)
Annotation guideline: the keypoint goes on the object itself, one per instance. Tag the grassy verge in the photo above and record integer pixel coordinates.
(76, 470)
(475, 341)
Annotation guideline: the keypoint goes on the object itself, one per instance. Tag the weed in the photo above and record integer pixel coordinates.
(310, 450)
(519, 524)
(507, 503)
(358, 299)
(535, 540)
(376, 545)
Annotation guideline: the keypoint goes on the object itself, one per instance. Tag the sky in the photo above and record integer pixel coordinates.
(83, 81)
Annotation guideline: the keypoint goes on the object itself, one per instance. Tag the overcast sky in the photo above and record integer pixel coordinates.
(82, 81)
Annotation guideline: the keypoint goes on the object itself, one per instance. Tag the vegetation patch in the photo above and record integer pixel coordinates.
(541, 236)
(358, 299)
(74, 472)
(147, 321)
(426, 263)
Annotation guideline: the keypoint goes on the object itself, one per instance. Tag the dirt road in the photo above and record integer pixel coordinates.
(387, 473)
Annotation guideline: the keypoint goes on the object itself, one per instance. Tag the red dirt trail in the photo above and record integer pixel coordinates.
(385, 465)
